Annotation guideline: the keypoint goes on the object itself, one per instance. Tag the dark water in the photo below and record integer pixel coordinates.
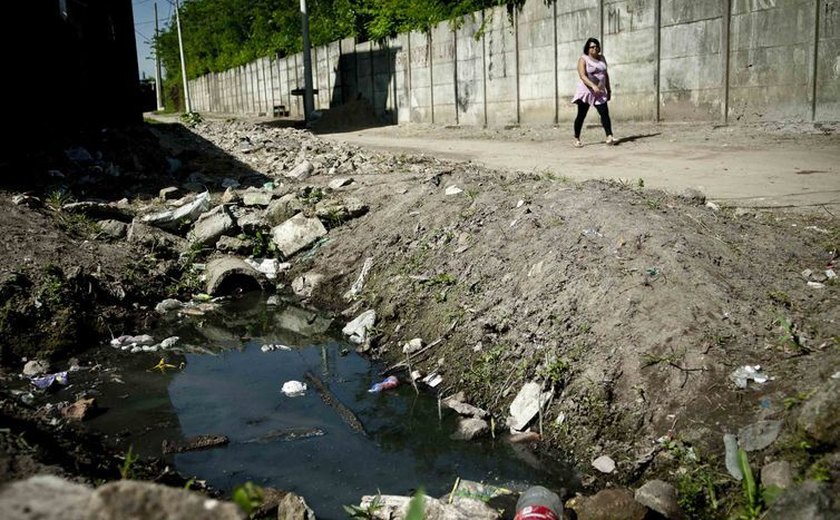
(236, 392)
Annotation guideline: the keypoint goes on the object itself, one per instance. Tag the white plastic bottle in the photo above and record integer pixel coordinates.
(538, 503)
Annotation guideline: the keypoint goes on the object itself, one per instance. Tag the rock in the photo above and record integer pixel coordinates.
(358, 328)
(283, 208)
(270, 502)
(36, 367)
(470, 428)
(660, 497)
(135, 499)
(302, 171)
(693, 196)
(169, 304)
(186, 213)
(412, 346)
(296, 234)
(152, 237)
(80, 410)
(730, 444)
(453, 190)
(340, 182)
(460, 508)
(604, 464)
(809, 501)
(304, 284)
(232, 245)
(608, 504)
(759, 435)
(211, 226)
(43, 497)
(113, 228)
(335, 212)
(226, 274)
(456, 403)
(293, 507)
(820, 416)
(170, 193)
(256, 197)
(777, 474)
(526, 405)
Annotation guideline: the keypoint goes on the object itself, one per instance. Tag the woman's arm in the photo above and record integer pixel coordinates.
(607, 80)
(582, 73)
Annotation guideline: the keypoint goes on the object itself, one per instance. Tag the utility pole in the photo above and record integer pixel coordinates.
(158, 93)
(308, 95)
(187, 104)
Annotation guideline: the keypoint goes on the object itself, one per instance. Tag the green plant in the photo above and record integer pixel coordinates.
(416, 506)
(752, 498)
(640, 183)
(554, 370)
(247, 496)
(780, 297)
(191, 118)
(368, 512)
(58, 197)
(127, 468)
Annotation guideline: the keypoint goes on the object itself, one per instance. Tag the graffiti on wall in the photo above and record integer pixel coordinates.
(626, 16)
(830, 19)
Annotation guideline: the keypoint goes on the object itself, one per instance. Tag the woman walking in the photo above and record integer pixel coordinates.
(592, 89)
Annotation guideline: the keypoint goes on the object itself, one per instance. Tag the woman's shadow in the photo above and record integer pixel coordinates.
(631, 138)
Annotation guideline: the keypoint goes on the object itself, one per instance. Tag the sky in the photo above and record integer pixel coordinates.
(144, 30)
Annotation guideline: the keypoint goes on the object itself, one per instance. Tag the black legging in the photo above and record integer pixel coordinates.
(603, 111)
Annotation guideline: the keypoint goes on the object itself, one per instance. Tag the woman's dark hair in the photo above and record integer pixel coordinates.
(589, 42)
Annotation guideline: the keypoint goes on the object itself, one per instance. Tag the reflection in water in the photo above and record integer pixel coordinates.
(301, 444)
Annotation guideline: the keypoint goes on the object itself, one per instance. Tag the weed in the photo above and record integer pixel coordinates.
(57, 198)
(472, 193)
(555, 370)
(191, 118)
(247, 496)
(752, 498)
(415, 506)
(780, 297)
(442, 279)
(368, 512)
(127, 468)
(653, 203)
(640, 183)
(819, 471)
(788, 338)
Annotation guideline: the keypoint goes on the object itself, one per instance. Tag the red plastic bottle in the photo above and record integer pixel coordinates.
(538, 503)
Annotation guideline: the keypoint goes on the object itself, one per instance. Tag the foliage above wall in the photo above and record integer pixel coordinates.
(222, 34)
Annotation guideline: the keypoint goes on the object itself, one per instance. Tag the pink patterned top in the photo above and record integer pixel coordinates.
(596, 71)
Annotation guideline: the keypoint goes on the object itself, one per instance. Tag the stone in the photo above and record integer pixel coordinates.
(526, 405)
(604, 464)
(170, 193)
(296, 234)
(660, 497)
(809, 501)
(608, 504)
(232, 245)
(340, 182)
(80, 410)
(820, 415)
(693, 196)
(759, 435)
(136, 499)
(113, 228)
(36, 367)
(470, 428)
(302, 171)
(358, 328)
(459, 508)
(152, 237)
(306, 283)
(293, 507)
(777, 474)
(211, 226)
(255, 197)
(43, 497)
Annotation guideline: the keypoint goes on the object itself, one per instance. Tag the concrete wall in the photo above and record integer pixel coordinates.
(669, 60)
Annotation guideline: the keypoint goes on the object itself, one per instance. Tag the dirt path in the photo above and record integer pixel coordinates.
(734, 166)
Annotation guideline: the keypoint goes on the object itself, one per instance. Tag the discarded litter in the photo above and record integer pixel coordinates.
(49, 379)
(742, 375)
(433, 379)
(591, 233)
(387, 383)
(293, 388)
(271, 347)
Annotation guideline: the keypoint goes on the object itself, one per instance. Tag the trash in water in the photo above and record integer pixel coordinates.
(271, 347)
(433, 379)
(48, 380)
(387, 383)
(293, 388)
(743, 374)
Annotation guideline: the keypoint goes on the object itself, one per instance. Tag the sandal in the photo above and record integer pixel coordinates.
(611, 141)
(578, 144)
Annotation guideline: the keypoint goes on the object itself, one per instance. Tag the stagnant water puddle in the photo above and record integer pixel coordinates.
(229, 386)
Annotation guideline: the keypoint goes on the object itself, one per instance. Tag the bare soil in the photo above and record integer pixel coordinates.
(634, 305)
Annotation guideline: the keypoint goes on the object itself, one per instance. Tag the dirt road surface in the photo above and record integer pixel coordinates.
(792, 166)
